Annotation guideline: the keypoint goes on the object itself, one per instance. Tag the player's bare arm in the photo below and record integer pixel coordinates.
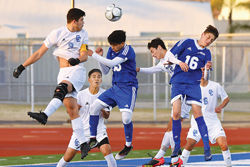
(137, 69)
(105, 114)
(222, 105)
(32, 59)
(209, 65)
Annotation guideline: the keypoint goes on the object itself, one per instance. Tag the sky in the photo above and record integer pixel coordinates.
(37, 18)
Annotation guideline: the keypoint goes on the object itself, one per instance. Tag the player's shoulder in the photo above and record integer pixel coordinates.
(84, 91)
(215, 84)
(185, 40)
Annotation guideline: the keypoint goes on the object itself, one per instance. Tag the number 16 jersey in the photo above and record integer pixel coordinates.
(189, 51)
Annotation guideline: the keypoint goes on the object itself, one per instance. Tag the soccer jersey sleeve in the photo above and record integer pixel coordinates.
(221, 92)
(51, 39)
(85, 37)
(179, 46)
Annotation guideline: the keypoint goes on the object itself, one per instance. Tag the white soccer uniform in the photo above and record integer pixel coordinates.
(160, 67)
(85, 99)
(67, 45)
(210, 95)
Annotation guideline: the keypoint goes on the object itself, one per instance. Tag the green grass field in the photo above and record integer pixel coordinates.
(35, 159)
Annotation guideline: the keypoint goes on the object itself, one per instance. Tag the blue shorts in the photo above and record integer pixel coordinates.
(191, 91)
(122, 96)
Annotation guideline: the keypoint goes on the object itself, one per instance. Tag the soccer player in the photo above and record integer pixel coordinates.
(121, 58)
(71, 42)
(158, 50)
(211, 91)
(185, 82)
(84, 99)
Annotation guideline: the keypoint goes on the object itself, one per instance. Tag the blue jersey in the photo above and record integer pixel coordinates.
(126, 71)
(196, 57)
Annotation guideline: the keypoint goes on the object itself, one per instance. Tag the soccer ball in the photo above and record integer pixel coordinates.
(113, 13)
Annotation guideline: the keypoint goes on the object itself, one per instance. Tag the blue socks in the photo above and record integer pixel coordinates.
(176, 128)
(128, 129)
(203, 131)
(93, 122)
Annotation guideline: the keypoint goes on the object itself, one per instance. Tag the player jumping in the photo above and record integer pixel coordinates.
(71, 43)
(121, 58)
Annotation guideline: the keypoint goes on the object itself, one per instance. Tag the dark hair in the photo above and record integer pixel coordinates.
(74, 14)
(213, 30)
(155, 43)
(94, 70)
(117, 37)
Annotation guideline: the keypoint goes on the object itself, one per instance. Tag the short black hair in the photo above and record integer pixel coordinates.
(155, 43)
(94, 70)
(74, 14)
(117, 37)
(213, 30)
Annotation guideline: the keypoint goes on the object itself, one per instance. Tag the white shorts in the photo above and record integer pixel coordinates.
(214, 132)
(74, 143)
(75, 75)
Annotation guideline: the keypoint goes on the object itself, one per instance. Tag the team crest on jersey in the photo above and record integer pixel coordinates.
(195, 132)
(211, 92)
(78, 38)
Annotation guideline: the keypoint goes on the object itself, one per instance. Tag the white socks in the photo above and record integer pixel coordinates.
(53, 105)
(110, 160)
(164, 144)
(77, 126)
(62, 163)
(227, 157)
(185, 155)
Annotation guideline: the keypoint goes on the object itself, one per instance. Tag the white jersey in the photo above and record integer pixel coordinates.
(210, 95)
(67, 44)
(85, 99)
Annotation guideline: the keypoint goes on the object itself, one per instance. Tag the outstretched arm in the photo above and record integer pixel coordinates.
(32, 59)
(110, 63)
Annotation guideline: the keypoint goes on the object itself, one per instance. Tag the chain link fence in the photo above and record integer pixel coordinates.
(36, 85)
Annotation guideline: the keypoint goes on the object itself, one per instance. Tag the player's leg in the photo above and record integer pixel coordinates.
(68, 156)
(59, 94)
(176, 127)
(105, 149)
(77, 124)
(125, 98)
(222, 141)
(95, 108)
(203, 130)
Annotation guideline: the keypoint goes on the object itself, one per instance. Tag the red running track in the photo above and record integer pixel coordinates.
(45, 141)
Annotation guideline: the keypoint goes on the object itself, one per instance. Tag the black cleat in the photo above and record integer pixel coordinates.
(122, 154)
(85, 148)
(41, 117)
(93, 143)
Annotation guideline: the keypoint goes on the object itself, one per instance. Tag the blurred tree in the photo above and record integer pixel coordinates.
(216, 6)
(232, 4)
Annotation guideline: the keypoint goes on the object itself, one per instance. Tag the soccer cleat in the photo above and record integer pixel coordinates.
(154, 162)
(93, 143)
(122, 154)
(177, 164)
(208, 155)
(41, 117)
(85, 148)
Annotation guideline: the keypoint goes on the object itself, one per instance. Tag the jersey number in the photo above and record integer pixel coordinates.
(118, 68)
(192, 62)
